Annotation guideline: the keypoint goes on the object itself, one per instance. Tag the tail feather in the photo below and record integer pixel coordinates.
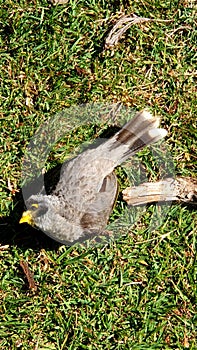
(139, 132)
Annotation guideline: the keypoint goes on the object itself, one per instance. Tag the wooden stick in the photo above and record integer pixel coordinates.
(182, 189)
(28, 274)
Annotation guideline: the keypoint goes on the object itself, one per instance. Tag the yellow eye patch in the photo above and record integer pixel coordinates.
(35, 205)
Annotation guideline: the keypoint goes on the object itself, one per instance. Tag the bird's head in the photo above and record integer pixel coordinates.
(44, 212)
(36, 210)
(27, 217)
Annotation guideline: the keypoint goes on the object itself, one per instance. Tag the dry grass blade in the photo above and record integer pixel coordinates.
(58, 2)
(124, 23)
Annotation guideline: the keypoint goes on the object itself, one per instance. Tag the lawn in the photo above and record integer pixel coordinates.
(137, 291)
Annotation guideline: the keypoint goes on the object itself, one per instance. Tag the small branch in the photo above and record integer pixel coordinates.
(182, 189)
(28, 274)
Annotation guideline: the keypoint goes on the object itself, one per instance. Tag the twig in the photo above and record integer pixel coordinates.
(182, 189)
(28, 274)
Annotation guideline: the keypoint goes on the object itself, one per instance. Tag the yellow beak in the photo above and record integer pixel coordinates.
(27, 218)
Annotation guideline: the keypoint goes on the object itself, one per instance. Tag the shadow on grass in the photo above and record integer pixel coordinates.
(23, 235)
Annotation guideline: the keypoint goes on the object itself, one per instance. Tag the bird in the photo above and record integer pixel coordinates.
(82, 201)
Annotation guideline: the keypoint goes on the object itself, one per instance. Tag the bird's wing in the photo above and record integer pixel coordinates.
(99, 209)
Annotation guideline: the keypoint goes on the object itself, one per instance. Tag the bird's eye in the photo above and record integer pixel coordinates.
(34, 206)
(42, 209)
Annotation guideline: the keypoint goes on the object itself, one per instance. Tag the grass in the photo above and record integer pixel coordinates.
(139, 291)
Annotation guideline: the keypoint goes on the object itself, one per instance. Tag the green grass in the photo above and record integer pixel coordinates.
(138, 292)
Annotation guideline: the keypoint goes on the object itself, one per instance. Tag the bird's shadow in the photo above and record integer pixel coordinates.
(23, 235)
